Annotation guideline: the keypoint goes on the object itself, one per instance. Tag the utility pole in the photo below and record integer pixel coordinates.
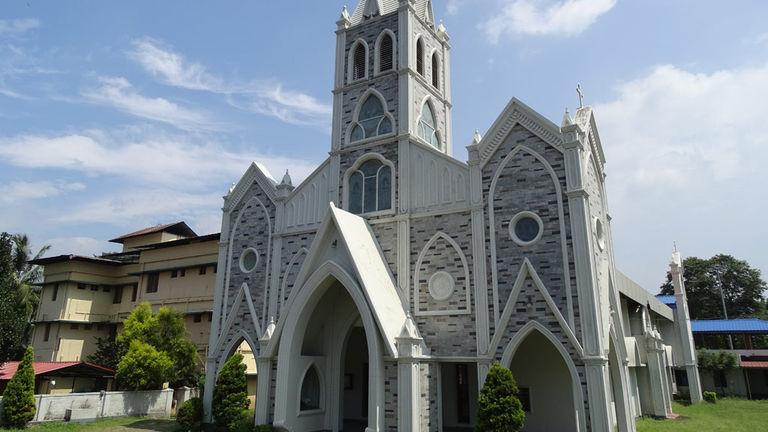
(718, 270)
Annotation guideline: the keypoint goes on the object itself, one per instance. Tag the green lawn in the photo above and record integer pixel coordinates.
(727, 415)
(119, 424)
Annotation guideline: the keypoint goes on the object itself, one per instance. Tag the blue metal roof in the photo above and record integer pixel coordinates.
(668, 300)
(749, 325)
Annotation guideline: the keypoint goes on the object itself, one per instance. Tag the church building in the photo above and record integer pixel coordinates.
(377, 293)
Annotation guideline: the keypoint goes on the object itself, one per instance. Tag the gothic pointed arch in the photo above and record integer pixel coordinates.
(357, 63)
(426, 126)
(369, 185)
(436, 69)
(420, 55)
(371, 119)
(386, 52)
(441, 279)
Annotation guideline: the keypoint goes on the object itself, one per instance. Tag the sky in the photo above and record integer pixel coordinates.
(119, 115)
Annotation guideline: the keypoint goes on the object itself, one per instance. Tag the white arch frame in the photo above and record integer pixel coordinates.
(284, 282)
(300, 307)
(377, 50)
(561, 218)
(419, 39)
(356, 115)
(358, 163)
(239, 336)
(521, 336)
(322, 399)
(428, 99)
(417, 276)
(351, 61)
(436, 54)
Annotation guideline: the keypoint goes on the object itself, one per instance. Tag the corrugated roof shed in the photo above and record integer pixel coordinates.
(733, 326)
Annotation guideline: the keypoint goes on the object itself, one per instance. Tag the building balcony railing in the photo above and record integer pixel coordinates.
(83, 317)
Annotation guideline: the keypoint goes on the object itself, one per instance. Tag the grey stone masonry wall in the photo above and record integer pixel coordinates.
(451, 333)
(390, 396)
(429, 397)
(293, 253)
(423, 86)
(369, 33)
(525, 183)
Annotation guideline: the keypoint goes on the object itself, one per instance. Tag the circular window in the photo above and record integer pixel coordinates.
(249, 260)
(441, 286)
(526, 228)
(600, 234)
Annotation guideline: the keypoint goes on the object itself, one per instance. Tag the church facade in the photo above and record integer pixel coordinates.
(377, 293)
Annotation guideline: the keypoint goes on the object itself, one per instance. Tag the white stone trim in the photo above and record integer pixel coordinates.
(321, 402)
(253, 175)
(240, 336)
(417, 275)
(358, 163)
(429, 99)
(351, 61)
(284, 283)
(377, 53)
(516, 218)
(436, 52)
(242, 256)
(578, 396)
(561, 218)
(527, 270)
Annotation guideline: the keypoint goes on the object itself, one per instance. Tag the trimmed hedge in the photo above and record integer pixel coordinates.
(710, 397)
(190, 414)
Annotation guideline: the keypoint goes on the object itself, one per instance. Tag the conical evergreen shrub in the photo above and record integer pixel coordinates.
(499, 409)
(230, 396)
(19, 395)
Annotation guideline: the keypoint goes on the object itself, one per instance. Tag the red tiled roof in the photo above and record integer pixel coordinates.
(8, 369)
(180, 228)
(754, 364)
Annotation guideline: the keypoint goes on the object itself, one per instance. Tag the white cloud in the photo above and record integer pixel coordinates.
(148, 157)
(118, 93)
(17, 27)
(686, 162)
(21, 190)
(259, 96)
(453, 6)
(545, 17)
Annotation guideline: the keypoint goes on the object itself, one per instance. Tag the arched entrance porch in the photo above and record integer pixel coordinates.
(547, 378)
(329, 362)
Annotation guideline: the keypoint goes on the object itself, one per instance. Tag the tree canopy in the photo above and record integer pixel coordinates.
(15, 327)
(743, 287)
(230, 395)
(163, 331)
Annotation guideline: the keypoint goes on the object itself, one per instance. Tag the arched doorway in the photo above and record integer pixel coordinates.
(620, 414)
(330, 342)
(546, 378)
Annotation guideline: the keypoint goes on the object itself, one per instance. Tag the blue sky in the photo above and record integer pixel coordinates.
(119, 115)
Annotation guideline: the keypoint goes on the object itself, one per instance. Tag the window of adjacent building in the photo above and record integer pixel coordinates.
(198, 318)
(215, 268)
(182, 272)
(54, 292)
(87, 326)
(153, 280)
(202, 270)
(117, 297)
(427, 126)
(525, 398)
(81, 286)
(99, 327)
(359, 64)
(174, 274)
(435, 71)
(420, 57)
(370, 188)
(386, 53)
(310, 390)
(135, 293)
(106, 288)
(94, 287)
(47, 333)
(372, 121)
(74, 326)
(210, 316)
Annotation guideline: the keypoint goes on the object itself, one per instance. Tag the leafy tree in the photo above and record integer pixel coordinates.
(499, 409)
(15, 327)
(717, 360)
(29, 276)
(743, 287)
(19, 395)
(143, 367)
(230, 396)
(106, 353)
(165, 331)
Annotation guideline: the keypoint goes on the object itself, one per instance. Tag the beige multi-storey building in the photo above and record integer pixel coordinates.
(84, 298)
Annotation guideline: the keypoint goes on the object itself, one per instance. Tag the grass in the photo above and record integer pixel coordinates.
(727, 415)
(118, 424)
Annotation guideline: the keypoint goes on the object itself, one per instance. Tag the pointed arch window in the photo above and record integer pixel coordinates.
(310, 390)
(420, 57)
(386, 53)
(427, 126)
(372, 121)
(435, 71)
(359, 62)
(370, 187)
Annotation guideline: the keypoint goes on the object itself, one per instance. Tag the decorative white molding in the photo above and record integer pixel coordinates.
(561, 219)
(578, 397)
(254, 174)
(243, 294)
(284, 283)
(351, 61)
(417, 277)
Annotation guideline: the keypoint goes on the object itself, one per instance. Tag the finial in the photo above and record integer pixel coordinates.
(476, 138)
(580, 92)
(567, 120)
(674, 244)
(287, 179)
(344, 19)
(232, 187)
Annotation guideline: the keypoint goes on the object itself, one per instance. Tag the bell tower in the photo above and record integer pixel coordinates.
(392, 79)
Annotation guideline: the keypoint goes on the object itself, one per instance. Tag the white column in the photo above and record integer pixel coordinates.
(408, 379)
(658, 382)
(264, 384)
(683, 325)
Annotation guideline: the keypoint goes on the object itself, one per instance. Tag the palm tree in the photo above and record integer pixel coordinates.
(28, 276)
